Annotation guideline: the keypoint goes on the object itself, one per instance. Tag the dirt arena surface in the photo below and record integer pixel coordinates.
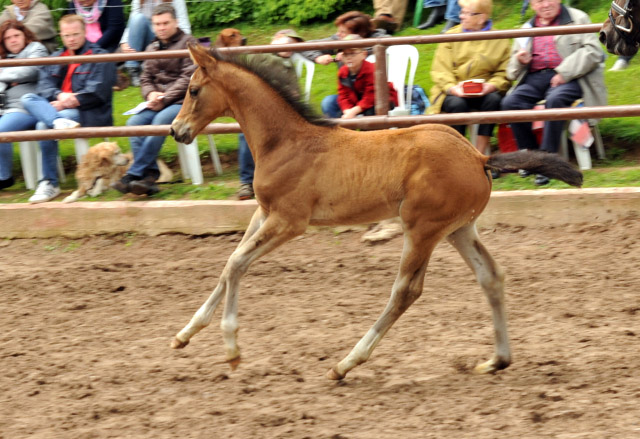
(86, 326)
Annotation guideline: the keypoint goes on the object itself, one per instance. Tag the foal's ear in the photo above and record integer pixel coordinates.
(200, 55)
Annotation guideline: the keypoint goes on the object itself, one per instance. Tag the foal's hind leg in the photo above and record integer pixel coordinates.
(491, 279)
(202, 317)
(406, 289)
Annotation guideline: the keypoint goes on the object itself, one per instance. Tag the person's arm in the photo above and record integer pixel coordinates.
(135, 9)
(178, 88)
(442, 67)
(368, 99)
(499, 77)
(97, 89)
(313, 55)
(49, 82)
(182, 15)
(40, 22)
(23, 74)
(583, 60)
(113, 16)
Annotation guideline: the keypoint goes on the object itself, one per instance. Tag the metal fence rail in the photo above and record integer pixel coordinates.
(372, 122)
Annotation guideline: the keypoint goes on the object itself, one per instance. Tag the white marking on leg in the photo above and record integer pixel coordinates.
(491, 279)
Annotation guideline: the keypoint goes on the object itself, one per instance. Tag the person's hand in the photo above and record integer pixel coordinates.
(488, 88)
(155, 96)
(57, 105)
(126, 48)
(557, 80)
(325, 60)
(351, 112)
(154, 105)
(523, 57)
(68, 100)
(457, 90)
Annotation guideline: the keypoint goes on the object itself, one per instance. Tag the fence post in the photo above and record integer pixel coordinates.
(382, 84)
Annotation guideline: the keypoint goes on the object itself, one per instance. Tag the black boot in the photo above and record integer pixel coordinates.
(7, 183)
(448, 26)
(124, 184)
(146, 186)
(436, 17)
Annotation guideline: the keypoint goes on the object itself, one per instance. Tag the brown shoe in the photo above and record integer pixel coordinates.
(122, 81)
(386, 22)
(245, 192)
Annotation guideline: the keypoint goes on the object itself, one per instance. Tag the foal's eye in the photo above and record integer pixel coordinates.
(193, 91)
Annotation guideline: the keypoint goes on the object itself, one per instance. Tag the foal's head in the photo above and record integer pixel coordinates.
(205, 99)
(621, 32)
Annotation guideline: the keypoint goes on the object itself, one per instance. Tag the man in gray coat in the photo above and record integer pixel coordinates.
(557, 69)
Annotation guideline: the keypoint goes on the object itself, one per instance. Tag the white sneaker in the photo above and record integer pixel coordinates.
(619, 65)
(44, 192)
(64, 124)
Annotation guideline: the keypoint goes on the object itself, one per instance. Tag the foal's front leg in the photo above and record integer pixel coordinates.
(202, 317)
(274, 231)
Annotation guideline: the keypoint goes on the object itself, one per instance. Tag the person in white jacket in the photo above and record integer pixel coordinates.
(139, 34)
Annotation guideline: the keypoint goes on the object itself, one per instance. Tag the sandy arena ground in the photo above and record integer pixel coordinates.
(86, 326)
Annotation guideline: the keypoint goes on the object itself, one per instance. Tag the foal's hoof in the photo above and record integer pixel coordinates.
(178, 344)
(491, 366)
(233, 364)
(332, 374)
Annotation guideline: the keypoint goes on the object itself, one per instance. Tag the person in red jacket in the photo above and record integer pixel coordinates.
(356, 90)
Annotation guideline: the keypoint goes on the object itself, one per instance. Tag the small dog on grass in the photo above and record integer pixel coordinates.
(102, 165)
(230, 37)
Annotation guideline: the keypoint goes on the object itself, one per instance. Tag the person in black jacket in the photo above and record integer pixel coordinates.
(69, 95)
(104, 21)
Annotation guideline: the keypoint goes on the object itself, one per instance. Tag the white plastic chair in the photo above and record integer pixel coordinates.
(400, 59)
(31, 162)
(189, 157)
(299, 62)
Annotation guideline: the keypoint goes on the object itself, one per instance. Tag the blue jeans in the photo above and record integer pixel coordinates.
(533, 88)
(45, 114)
(145, 149)
(427, 4)
(140, 36)
(15, 121)
(452, 13)
(245, 161)
(330, 107)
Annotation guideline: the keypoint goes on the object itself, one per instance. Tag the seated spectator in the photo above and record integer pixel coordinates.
(457, 62)
(139, 32)
(353, 22)
(69, 96)
(16, 41)
(164, 83)
(389, 14)
(558, 69)
(356, 86)
(279, 60)
(36, 16)
(104, 21)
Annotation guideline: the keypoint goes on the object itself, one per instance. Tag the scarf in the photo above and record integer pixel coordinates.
(90, 15)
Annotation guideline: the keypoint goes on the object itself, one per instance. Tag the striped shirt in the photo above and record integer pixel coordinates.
(544, 54)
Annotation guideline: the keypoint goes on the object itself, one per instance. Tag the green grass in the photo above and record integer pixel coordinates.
(620, 134)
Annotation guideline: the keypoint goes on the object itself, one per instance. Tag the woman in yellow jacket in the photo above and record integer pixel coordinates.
(471, 75)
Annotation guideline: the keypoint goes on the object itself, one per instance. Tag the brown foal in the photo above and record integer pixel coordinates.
(310, 172)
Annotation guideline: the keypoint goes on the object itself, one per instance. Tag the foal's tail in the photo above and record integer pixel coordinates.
(536, 162)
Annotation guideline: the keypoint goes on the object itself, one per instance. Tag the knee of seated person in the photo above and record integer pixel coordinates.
(136, 20)
(552, 101)
(28, 97)
(455, 104)
(494, 100)
(41, 126)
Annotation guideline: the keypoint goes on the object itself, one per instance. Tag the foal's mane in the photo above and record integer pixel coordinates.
(260, 67)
